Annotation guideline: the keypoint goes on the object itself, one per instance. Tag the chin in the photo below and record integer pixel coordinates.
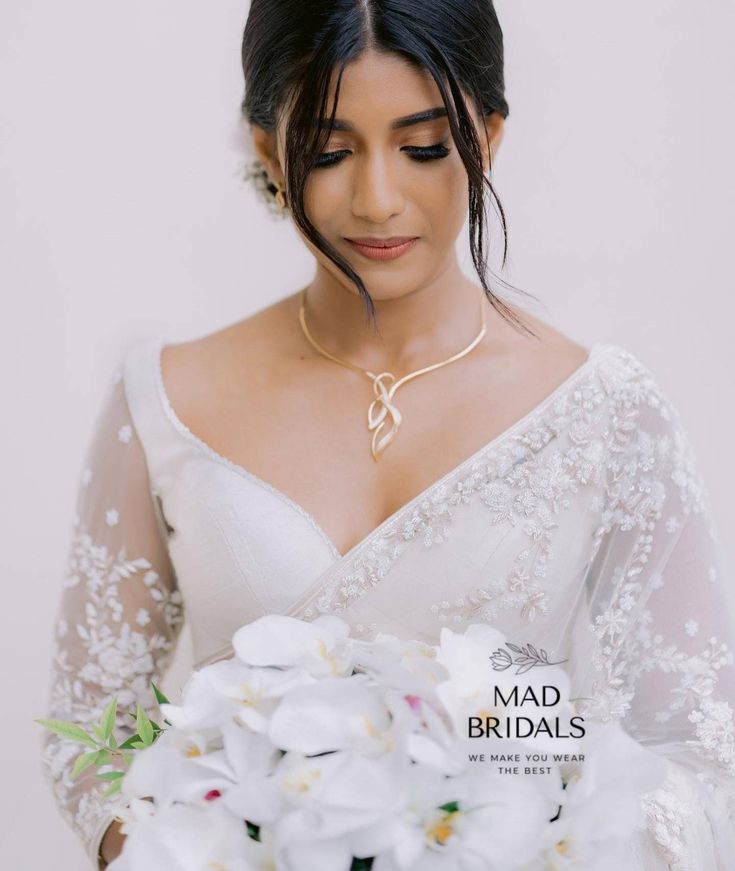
(385, 290)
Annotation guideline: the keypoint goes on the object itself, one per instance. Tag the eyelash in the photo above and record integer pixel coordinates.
(417, 153)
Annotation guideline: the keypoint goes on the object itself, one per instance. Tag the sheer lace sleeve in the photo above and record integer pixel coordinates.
(119, 613)
(663, 627)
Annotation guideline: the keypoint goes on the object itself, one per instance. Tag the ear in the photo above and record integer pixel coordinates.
(264, 143)
(494, 126)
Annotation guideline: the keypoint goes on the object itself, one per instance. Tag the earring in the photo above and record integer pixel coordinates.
(281, 199)
(256, 174)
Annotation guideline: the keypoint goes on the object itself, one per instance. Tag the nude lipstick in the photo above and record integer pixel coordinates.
(376, 248)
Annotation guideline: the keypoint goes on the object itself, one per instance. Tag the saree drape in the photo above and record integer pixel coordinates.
(585, 528)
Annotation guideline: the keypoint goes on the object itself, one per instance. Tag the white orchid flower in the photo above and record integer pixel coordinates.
(322, 647)
(336, 804)
(317, 855)
(228, 689)
(410, 667)
(479, 821)
(182, 838)
(601, 803)
(175, 770)
(340, 714)
(258, 694)
(136, 809)
(253, 795)
(318, 804)
(333, 793)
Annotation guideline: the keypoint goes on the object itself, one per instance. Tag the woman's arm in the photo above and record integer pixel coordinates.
(661, 597)
(119, 615)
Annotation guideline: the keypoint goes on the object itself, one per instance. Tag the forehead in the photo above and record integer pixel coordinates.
(379, 87)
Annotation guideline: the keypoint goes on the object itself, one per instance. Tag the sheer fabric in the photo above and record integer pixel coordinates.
(585, 529)
(119, 615)
(661, 602)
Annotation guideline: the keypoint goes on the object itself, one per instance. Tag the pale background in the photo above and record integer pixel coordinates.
(121, 215)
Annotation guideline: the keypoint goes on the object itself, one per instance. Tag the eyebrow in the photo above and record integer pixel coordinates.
(406, 121)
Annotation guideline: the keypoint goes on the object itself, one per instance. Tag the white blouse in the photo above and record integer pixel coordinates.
(584, 528)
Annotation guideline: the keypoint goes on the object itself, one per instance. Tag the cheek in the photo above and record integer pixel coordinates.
(441, 194)
(326, 197)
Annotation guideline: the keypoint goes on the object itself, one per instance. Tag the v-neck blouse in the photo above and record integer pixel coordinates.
(180, 427)
(241, 547)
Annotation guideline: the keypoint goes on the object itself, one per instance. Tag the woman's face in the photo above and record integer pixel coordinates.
(383, 175)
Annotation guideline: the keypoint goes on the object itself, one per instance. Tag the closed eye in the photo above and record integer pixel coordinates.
(415, 152)
(328, 158)
(430, 152)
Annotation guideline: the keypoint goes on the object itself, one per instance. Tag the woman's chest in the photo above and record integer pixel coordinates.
(352, 453)
(504, 537)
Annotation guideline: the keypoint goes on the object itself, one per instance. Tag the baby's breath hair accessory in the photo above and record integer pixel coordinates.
(269, 192)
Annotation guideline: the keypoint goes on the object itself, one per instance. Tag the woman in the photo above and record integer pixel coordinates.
(506, 473)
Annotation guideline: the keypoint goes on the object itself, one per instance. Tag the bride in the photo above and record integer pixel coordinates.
(395, 444)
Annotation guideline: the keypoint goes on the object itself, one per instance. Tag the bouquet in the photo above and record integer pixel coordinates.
(310, 750)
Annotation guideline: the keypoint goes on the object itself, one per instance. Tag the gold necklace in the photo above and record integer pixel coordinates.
(384, 394)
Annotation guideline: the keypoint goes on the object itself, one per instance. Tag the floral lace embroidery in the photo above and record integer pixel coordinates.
(666, 814)
(113, 658)
(715, 729)
(526, 479)
(526, 482)
(626, 646)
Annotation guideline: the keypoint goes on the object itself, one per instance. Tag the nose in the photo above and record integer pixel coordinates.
(377, 194)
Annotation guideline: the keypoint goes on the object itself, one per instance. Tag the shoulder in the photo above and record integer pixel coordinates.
(631, 383)
(619, 368)
(616, 379)
(248, 353)
(636, 397)
(649, 443)
(645, 436)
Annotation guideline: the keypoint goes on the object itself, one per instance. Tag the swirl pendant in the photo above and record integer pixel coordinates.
(382, 409)
(376, 421)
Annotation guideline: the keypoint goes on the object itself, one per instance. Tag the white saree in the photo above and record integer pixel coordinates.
(584, 528)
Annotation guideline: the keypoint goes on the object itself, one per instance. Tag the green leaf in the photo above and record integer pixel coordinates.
(109, 718)
(160, 698)
(450, 807)
(145, 728)
(129, 743)
(70, 731)
(110, 775)
(112, 742)
(114, 787)
(82, 762)
(103, 757)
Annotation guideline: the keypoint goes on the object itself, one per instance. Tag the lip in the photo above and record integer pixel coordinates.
(377, 248)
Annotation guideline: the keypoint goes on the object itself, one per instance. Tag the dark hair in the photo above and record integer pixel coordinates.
(290, 49)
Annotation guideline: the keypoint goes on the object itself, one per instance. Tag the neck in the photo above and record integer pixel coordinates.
(416, 328)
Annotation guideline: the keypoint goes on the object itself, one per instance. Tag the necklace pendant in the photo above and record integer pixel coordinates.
(382, 408)
(385, 408)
